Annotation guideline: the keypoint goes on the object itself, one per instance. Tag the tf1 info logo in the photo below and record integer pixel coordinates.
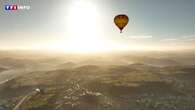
(14, 7)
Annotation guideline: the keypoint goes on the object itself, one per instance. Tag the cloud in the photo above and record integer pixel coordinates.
(188, 37)
(185, 38)
(141, 37)
(170, 39)
(193, 39)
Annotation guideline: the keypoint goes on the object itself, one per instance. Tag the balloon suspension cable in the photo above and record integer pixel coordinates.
(121, 31)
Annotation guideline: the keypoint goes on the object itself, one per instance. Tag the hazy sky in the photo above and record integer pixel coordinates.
(88, 24)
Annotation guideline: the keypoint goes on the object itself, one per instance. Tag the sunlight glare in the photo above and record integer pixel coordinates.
(83, 27)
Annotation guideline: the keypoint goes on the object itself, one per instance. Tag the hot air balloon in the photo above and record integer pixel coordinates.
(121, 21)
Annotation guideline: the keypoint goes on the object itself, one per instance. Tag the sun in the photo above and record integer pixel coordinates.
(83, 28)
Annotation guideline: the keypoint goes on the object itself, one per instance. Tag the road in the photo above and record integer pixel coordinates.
(26, 97)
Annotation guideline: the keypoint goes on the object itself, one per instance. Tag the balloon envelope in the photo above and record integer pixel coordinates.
(121, 21)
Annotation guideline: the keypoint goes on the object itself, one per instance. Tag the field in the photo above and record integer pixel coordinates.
(114, 81)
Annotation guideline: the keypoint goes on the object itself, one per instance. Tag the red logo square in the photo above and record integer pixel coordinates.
(15, 7)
